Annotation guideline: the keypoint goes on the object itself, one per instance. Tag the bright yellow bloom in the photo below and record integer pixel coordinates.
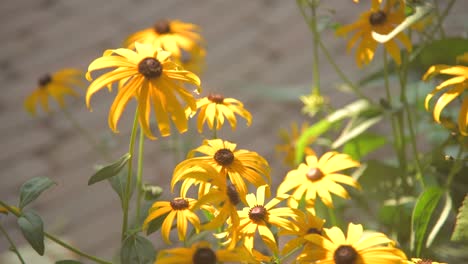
(458, 85)
(320, 177)
(423, 261)
(288, 146)
(57, 85)
(382, 21)
(229, 163)
(306, 224)
(150, 77)
(203, 253)
(182, 39)
(179, 209)
(259, 216)
(214, 108)
(356, 248)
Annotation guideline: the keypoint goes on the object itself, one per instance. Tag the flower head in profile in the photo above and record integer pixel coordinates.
(229, 163)
(182, 39)
(56, 85)
(148, 75)
(356, 248)
(260, 216)
(288, 143)
(381, 20)
(320, 177)
(450, 90)
(214, 108)
(179, 209)
(423, 261)
(203, 253)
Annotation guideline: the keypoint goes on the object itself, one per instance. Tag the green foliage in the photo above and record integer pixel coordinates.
(110, 170)
(422, 214)
(31, 189)
(364, 144)
(138, 250)
(67, 261)
(32, 227)
(355, 127)
(460, 233)
(119, 182)
(152, 192)
(155, 225)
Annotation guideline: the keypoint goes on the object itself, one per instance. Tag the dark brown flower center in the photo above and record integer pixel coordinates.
(204, 256)
(345, 255)
(150, 68)
(257, 213)
(314, 174)
(162, 27)
(313, 230)
(179, 204)
(44, 80)
(424, 261)
(224, 157)
(216, 98)
(377, 18)
(233, 194)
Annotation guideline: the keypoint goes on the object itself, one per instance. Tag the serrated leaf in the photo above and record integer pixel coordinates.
(31, 189)
(68, 261)
(422, 214)
(138, 250)
(363, 145)
(109, 170)
(460, 232)
(119, 183)
(32, 227)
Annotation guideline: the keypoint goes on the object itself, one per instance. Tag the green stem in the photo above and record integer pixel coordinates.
(457, 165)
(316, 39)
(58, 241)
(139, 181)
(89, 138)
(12, 244)
(342, 74)
(126, 200)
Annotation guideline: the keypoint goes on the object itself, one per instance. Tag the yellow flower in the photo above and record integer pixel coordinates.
(382, 21)
(288, 146)
(178, 208)
(423, 261)
(229, 163)
(320, 177)
(181, 39)
(57, 85)
(306, 224)
(260, 216)
(334, 247)
(203, 253)
(214, 108)
(152, 78)
(458, 85)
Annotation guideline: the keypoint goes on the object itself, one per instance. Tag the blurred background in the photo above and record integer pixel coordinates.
(258, 51)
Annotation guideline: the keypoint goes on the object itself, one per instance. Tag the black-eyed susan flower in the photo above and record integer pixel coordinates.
(320, 177)
(229, 163)
(179, 209)
(306, 224)
(203, 253)
(56, 85)
(451, 89)
(355, 248)
(382, 21)
(148, 75)
(214, 108)
(423, 261)
(288, 143)
(260, 216)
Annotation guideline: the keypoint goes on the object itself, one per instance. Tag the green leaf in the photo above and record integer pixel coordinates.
(441, 220)
(138, 250)
(350, 110)
(357, 127)
(460, 233)
(422, 213)
(364, 144)
(32, 227)
(109, 170)
(68, 261)
(31, 189)
(378, 179)
(156, 224)
(119, 182)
